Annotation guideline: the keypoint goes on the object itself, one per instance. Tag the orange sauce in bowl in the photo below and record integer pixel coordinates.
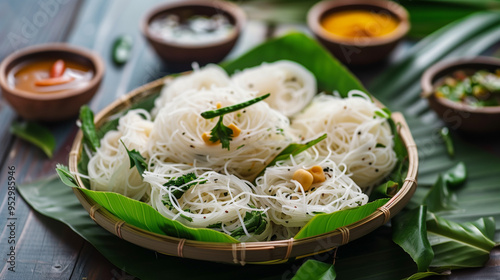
(37, 76)
(355, 24)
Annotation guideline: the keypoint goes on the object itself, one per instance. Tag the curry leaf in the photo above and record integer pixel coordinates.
(136, 159)
(254, 223)
(410, 232)
(315, 270)
(65, 175)
(322, 223)
(88, 128)
(295, 149)
(36, 135)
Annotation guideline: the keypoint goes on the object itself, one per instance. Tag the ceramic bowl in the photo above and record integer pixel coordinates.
(51, 106)
(358, 51)
(183, 54)
(456, 115)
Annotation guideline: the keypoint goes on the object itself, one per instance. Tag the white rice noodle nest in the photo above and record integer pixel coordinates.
(215, 200)
(292, 207)
(178, 129)
(109, 168)
(291, 85)
(207, 77)
(358, 135)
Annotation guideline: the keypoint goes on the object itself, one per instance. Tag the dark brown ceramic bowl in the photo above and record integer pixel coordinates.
(185, 54)
(362, 50)
(51, 106)
(457, 115)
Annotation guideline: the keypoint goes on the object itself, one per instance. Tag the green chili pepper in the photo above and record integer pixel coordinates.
(88, 128)
(229, 109)
(122, 48)
(445, 135)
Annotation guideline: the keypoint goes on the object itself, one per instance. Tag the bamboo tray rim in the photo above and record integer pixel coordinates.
(263, 252)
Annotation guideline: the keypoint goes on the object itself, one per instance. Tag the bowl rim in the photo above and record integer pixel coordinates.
(319, 9)
(441, 67)
(263, 252)
(37, 50)
(232, 9)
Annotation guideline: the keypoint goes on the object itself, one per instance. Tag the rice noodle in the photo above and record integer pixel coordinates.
(109, 169)
(291, 85)
(358, 136)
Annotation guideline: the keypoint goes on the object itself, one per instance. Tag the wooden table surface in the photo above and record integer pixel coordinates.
(47, 249)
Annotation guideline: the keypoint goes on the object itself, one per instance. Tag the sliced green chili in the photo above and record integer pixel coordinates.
(229, 109)
(445, 135)
(122, 49)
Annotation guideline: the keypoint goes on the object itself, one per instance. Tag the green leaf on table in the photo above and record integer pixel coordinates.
(36, 135)
(459, 245)
(440, 198)
(322, 223)
(65, 175)
(315, 270)
(330, 74)
(410, 232)
(144, 216)
(456, 175)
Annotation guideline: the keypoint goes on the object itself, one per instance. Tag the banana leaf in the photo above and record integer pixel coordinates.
(330, 74)
(144, 216)
(399, 89)
(315, 270)
(460, 245)
(322, 223)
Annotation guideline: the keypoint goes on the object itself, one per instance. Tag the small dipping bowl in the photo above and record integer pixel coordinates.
(458, 115)
(193, 31)
(53, 105)
(361, 48)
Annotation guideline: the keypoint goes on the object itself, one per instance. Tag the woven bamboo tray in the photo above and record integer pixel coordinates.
(270, 252)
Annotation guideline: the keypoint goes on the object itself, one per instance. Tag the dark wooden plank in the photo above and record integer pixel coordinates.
(93, 266)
